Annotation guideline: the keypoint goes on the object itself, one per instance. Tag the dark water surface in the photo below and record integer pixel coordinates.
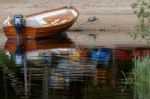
(60, 69)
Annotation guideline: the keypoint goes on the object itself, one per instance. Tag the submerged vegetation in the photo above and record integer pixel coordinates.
(142, 11)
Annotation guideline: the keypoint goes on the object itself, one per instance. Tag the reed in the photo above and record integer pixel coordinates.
(141, 72)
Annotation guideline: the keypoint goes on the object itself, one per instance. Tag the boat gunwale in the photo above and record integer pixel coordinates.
(51, 10)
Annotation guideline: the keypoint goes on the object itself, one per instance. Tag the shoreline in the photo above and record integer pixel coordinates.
(113, 15)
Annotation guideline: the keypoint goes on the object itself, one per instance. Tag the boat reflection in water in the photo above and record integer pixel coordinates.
(60, 69)
(54, 64)
(19, 55)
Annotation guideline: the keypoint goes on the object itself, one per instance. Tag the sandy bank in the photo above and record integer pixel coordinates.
(114, 15)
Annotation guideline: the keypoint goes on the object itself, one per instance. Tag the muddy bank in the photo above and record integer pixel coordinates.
(106, 39)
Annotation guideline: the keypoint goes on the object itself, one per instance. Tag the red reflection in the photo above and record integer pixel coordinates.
(123, 54)
(141, 52)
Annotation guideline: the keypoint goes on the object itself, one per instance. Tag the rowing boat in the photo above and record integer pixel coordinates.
(43, 24)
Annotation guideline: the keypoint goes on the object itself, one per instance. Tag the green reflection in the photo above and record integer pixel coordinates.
(8, 60)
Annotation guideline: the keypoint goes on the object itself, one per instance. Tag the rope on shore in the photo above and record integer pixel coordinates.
(90, 19)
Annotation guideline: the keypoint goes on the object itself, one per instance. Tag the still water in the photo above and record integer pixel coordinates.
(61, 69)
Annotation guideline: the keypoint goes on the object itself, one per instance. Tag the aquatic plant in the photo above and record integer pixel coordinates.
(141, 72)
(142, 11)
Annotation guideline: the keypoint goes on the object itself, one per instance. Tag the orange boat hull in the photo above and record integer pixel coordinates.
(32, 33)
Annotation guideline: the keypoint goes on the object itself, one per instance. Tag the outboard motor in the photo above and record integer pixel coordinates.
(19, 23)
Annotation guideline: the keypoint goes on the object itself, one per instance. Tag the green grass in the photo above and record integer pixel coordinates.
(141, 72)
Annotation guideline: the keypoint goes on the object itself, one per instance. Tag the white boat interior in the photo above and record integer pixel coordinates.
(51, 18)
